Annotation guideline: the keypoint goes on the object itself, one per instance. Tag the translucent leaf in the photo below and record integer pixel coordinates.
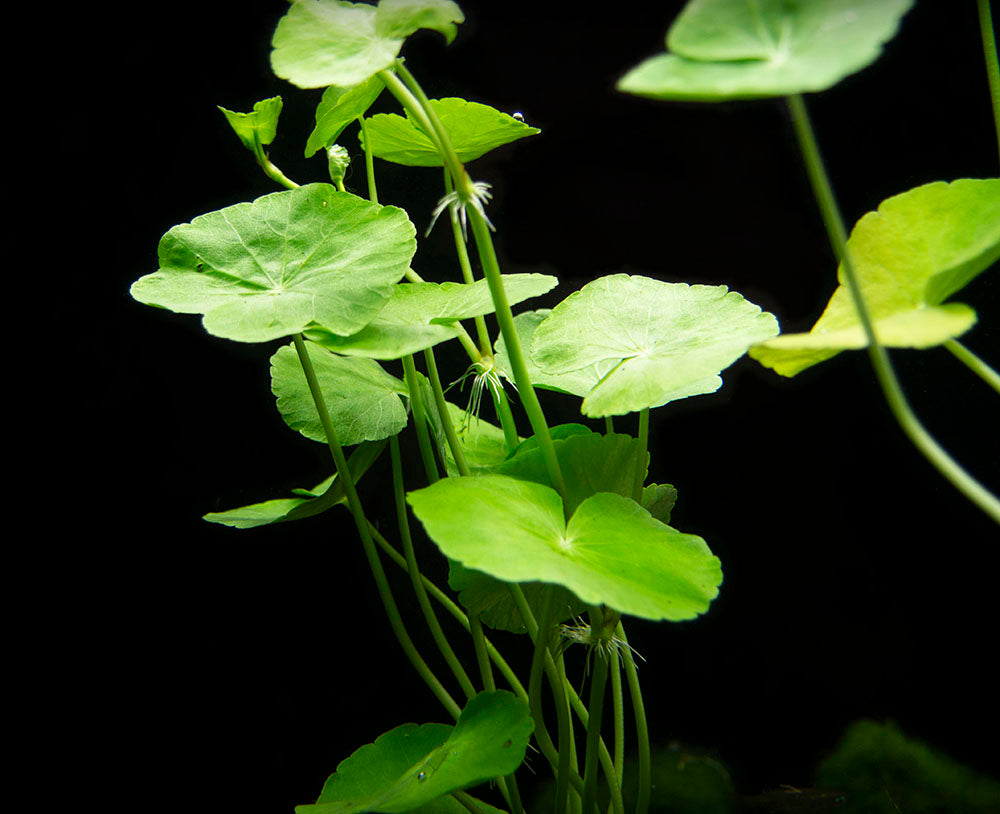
(610, 552)
(644, 343)
(362, 398)
(590, 463)
(474, 130)
(309, 502)
(917, 249)
(574, 382)
(400, 18)
(420, 315)
(330, 42)
(268, 269)
(338, 108)
(659, 500)
(724, 49)
(412, 765)
(258, 127)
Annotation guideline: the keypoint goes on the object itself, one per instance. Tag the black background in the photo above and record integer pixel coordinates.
(238, 667)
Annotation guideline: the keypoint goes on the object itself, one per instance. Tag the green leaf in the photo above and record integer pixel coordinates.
(420, 315)
(610, 552)
(330, 42)
(362, 398)
(256, 128)
(916, 250)
(474, 130)
(268, 269)
(574, 382)
(659, 500)
(489, 598)
(338, 108)
(726, 49)
(644, 343)
(309, 502)
(400, 18)
(482, 443)
(411, 765)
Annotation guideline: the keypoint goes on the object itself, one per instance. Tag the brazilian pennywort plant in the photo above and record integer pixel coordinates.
(549, 530)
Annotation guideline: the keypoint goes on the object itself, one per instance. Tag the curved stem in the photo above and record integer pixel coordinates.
(357, 511)
(884, 372)
(445, 602)
(641, 728)
(444, 416)
(418, 586)
(974, 363)
(420, 420)
(992, 65)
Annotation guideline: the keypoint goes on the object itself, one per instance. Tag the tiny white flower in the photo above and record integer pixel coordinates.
(477, 195)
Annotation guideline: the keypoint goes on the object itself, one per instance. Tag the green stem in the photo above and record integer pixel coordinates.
(420, 420)
(974, 363)
(992, 64)
(618, 707)
(270, 170)
(598, 681)
(884, 372)
(445, 602)
(369, 162)
(511, 440)
(357, 511)
(491, 269)
(444, 416)
(418, 586)
(641, 727)
(485, 346)
(451, 160)
(468, 803)
(609, 425)
(643, 462)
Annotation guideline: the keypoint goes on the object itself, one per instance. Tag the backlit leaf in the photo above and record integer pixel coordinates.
(474, 130)
(420, 315)
(915, 251)
(268, 269)
(644, 343)
(725, 49)
(338, 108)
(331, 42)
(611, 551)
(258, 127)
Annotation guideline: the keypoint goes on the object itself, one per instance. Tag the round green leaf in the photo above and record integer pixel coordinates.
(420, 315)
(362, 398)
(917, 249)
(474, 130)
(644, 343)
(268, 269)
(331, 42)
(610, 552)
(412, 765)
(724, 49)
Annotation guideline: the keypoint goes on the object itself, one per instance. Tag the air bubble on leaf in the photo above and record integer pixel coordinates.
(421, 776)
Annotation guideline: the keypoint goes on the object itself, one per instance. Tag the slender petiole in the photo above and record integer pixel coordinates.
(641, 727)
(418, 586)
(641, 464)
(444, 416)
(420, 420)
(357, 511)
(884, 372)
(992, 64)
(369, 163)
(974, 363)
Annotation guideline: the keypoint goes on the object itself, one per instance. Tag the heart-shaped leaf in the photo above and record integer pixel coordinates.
(362, 398)
(915, 251)
(644, 343)
(474, 129)
(411, 765)
(611, 551)
(331, 42)
(268, 269)
(338, 108)
(420, 315)
(726, 49)
(258, 127)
